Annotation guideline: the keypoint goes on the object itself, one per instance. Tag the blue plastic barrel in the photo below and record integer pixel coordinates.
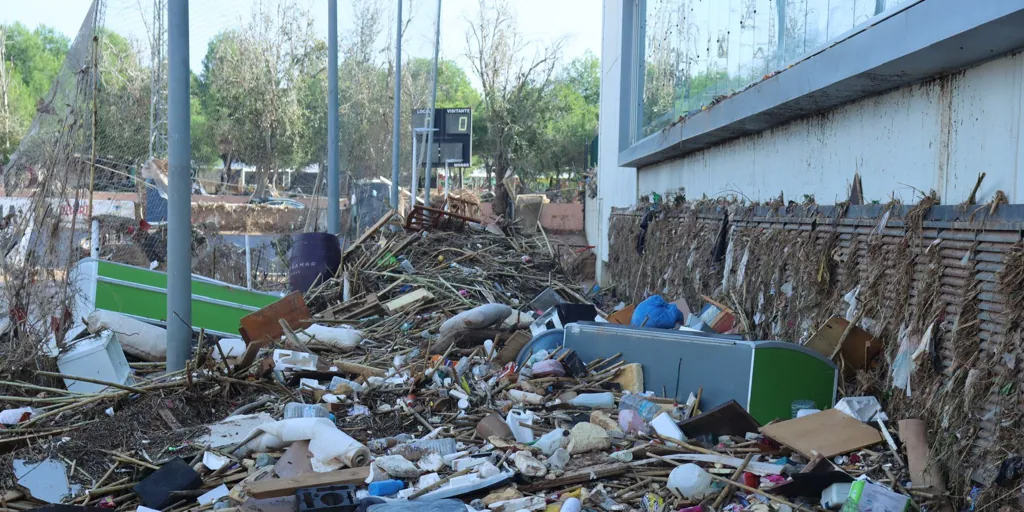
(315, 258)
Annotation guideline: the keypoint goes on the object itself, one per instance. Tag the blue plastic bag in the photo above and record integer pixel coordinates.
(658, 314)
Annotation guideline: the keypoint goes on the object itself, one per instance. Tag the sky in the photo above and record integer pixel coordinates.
(576, 22)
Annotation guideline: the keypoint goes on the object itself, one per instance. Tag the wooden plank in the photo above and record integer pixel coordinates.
(579, 476)
(510, 350)
(827, 433)
(265, 323)
(859, 349)
(728, 419)
(408, 300)
(275, 488)
(369, 232)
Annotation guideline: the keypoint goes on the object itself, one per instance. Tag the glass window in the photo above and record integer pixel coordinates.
(698, 52)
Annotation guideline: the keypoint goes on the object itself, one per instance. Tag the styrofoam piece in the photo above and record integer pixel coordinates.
(231, 347)
(214, 461)
(213, 495)
(294, 360)
(97, 357)
(665, 426)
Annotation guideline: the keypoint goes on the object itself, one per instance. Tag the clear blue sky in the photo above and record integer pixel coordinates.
(541, 21)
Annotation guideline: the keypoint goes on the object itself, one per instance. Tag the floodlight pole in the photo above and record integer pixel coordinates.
(396, 135)
(433, 105)
(179, 196)
(333, 176)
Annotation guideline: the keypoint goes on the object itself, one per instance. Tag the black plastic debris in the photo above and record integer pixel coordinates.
(331, 498)
(155, 490)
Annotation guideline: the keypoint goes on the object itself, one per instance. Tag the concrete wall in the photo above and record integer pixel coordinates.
(936, 135)
(554, 217)
(616, 186)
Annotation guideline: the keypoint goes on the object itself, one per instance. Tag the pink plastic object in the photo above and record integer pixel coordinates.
(548, 368)
(631, 422)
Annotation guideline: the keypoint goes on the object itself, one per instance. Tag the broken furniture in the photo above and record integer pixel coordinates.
(141, 293)
(765, 377)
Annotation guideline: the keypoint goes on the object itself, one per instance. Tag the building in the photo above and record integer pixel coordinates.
(757, 98)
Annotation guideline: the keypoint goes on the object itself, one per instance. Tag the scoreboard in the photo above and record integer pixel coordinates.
(453, 135)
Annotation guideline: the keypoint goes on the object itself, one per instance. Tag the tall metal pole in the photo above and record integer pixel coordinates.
(179, 196)
(433, 105)
(415, 168)
(396, 135)
(333, 177)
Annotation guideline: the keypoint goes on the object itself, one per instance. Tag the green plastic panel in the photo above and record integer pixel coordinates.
(152, 304)
(781, 376)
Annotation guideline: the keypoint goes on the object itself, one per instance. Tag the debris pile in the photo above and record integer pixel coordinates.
(455, 369)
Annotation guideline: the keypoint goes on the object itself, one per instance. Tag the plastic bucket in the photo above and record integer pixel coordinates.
(315, 258)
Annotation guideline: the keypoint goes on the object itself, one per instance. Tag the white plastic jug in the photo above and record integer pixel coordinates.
(691, 481)
(521, 433)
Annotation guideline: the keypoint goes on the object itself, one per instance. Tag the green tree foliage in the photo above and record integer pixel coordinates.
(260, 98)
(29, 61)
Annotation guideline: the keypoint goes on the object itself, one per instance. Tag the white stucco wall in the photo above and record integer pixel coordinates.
(937, 135)
(616, 186)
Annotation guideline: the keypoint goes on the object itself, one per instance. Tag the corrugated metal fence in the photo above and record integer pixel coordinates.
(788, 270)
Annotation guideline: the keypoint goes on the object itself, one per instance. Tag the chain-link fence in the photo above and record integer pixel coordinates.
(96, 146)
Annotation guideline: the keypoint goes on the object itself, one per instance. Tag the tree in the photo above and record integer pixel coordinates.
(515, 80)
(253, 78)
(29, 61)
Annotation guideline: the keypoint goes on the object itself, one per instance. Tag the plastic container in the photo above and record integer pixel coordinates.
(386, 487)
(493, 425)
(548, 368)
(646, 408)
(595, 400)
(571, 505)
(521, 433)
(294, 360)
(691, 481)
(300, 410)
(806, 412)
(97, 357)
(835, 495)
(631, 422)
(666, 427)
(795, 407)
(315, 257)
(548, 443)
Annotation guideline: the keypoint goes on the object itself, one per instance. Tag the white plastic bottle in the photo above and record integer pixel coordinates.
(548, 443)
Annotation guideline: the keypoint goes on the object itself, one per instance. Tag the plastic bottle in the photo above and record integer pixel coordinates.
(299, 410)
(548, 443)
(383, 443)
(339, 381)
(646, 408)
(386, 487)
(525, 397)
(595, 400)
(691, 481)
(416, 450)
